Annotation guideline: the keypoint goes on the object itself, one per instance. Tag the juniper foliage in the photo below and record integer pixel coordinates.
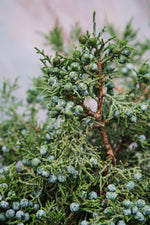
(81, 165)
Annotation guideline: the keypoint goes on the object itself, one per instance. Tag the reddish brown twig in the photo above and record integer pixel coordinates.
(118, 89)
(103, 133)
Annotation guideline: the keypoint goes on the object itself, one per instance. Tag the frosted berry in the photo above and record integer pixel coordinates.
(130, 185)
(95, 214)
(51, 158)
(52, 179)
(146, 210)
(127, 204)
(126, 52)
(45, 173)
(133, 119)
(40, 170)
(134, 209)
(36, 206)
(75, 66)
(84, 222)
(73, 75)
(43, 149)
(24, 203)
(111, 223)
(140, 217)
(16, 206)
(109, 211)
(74, 207)
(55, 99)
(86, 58)
(111, 187)
(127, 212)
(140, 203)
(92, 195)
(78, 110)
(93, 67)
(4, 185)
(20, 215)
(61, 102)
(128, 112)
(93, 161)
(61, 178)
(142, 138)
(2, 217)
(68, 86)
(26, 216)
(84, 195)
(121, 222)
(4, 204)
(5, 149)
(138, 176)
(40, 213)
(111, 195)
(10, 213)
(35, 162)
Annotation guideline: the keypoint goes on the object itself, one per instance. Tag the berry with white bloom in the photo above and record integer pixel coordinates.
(24, 203)
(45, 173)
(4, 185)
(121, 222)
(51, 158)
(35, 162)
(130, 185)
(95, 214)
(133, 119)
(144, 107)
(52, 179)
(84, 194)
(16, 206)
(127, 204)
(140, 203)
(84, 222)
(61, 178)
(127, 212)
(2, 217)
(92, 195)
(74, 207)
(109, 211)
(111, 223)
(43, 149)
(20, 215)
(5, 149)
(4, 204)
(111, 195)
(142, 138)
(146, 210)
(93, 161)
(138, 176)
(26, 216)
(36, 206)
(111, 187)
(40, 213)
(140, 217)
(10, 213)
(134, 209)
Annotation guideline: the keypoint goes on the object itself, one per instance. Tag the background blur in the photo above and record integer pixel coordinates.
(22, 21)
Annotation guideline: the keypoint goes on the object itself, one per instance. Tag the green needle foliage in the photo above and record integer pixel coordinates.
(80, 165)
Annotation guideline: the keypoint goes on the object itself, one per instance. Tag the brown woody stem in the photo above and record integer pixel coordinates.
(103, 133)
